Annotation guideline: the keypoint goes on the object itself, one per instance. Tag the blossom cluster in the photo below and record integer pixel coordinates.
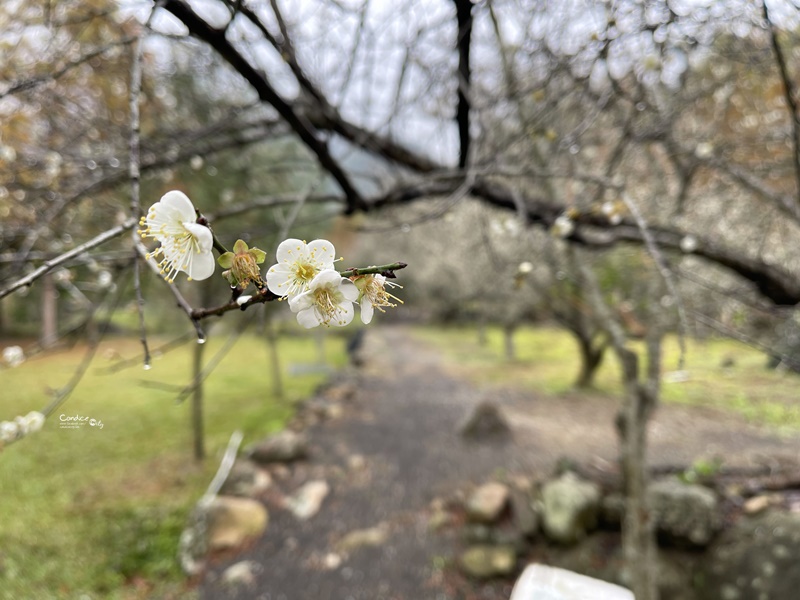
(304, 273)
(317, 292)
(20, 427)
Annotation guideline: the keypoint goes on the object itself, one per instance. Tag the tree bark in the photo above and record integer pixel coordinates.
(49, 312)
(197, 403)
(638, 535)
(508, 341)
(591, 359)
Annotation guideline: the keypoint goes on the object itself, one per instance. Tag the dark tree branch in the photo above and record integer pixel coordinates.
(774, 283)
(216, 39)
(790, 94)
(463, 42)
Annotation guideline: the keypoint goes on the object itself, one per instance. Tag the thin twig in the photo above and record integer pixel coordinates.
(135, 177)
(161, 350)
(794, 363)
(64, 393)
(666, 275)
(182, 302)
(48, 265)
(264, 295)
(789, 93)
(215, 360)
(34, 82)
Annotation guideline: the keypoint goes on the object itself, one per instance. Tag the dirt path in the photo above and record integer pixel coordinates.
(393, 451)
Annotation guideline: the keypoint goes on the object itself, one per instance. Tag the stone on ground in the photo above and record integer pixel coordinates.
(485, 422)
(374, 536)
(484, 562)
(282, 447)
(526, 518)
(246, 479)
(684, 512)
(232, 521)
(486, 504)
(307, 501)
(241, 574)
(570, 508)
(540, 582)
(756, 558)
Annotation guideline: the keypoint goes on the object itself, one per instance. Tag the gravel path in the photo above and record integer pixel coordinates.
(390, 453)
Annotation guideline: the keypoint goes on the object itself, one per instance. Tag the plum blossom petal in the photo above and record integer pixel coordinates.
(326, 301)
(298, 264)
(180, 203)
(185, 244)
(367, 310)
(372, 294)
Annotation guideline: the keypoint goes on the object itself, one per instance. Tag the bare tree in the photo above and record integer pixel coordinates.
(673, 130)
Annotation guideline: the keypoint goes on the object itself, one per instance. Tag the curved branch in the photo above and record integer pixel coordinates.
(51, 264)
(778, 285)
(789, 93)
(463, 42)
(216, 39)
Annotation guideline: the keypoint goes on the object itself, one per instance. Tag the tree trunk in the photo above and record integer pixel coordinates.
(197, 403)
(508, 340)
(591, 359)
(638, 539)
(482, 337)
(274, 355)
(49, 314)
(638, 536)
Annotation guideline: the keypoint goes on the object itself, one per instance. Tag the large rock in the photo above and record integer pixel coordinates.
(540, 582)
(232, 521)
(286, 446)
(245, 479)
(485, 422)
(486, 503)
(483, 561)
(570, 508)
(684, 513)
(756, 558)
(306, 502)
(224, 522)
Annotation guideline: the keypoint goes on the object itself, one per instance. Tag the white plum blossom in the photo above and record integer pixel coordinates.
(185, 244)
(8, 431)
(298, 264)
(34, 421)
(525, 267)
(327, 301)
(373, 294)
(689, 244)
(20, 427)
(704, 150)
(13, 356)
(612, 211)
(563, 226)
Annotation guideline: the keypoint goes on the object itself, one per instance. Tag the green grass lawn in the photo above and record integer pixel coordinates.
(96, 513)
(547, 361)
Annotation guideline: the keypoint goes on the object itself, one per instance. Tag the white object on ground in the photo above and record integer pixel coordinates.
(540, 582)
